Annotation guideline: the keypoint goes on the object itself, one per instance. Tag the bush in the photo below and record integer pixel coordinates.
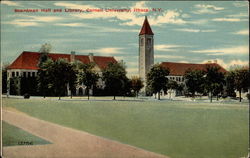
(26, 96)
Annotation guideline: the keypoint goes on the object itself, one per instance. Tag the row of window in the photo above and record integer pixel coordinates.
(24, 74)
(178, 79)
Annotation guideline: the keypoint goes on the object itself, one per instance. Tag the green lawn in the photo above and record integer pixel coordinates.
(176, 129)
(16, 136)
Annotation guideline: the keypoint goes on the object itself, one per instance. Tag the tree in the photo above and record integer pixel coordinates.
(194, 81)
(88, 76)
(241, 80)
(230, 83)
(43, 77)
(214, 81)
(44, 61)
(45, 48)
(136, 84)
(4, 78)
(114, 77)
(157, 79)
(72, 78)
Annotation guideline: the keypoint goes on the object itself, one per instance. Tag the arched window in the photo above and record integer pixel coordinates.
(142, 41)
(149, 41)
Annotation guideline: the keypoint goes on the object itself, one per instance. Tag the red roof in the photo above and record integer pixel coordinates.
(102, 62)
(29, 60)
(26, 60)
(146, 29)
(179, 69)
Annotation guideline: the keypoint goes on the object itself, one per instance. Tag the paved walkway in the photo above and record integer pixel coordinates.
(66, 142)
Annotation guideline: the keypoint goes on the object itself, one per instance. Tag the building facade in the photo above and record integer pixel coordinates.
(26, 66)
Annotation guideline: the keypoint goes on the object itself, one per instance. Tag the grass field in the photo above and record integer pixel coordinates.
(16, 136)
(176, 129)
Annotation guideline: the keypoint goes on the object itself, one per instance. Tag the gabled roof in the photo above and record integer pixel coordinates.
(179, 69)
(146, 29)
(29, 60)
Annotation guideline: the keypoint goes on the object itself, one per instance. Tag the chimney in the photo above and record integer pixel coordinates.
(91, 57)
(215, 61)
(72, 56)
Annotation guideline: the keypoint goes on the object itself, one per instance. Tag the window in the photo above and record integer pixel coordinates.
(17, 74)
(142, 41)
(28, 74)
(13, 74)
(149, 41)
(33, 74)
(24, 74)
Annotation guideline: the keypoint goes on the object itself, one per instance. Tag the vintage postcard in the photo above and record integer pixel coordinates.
(125, 79)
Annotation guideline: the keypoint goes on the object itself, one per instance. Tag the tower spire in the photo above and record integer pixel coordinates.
(146, 29)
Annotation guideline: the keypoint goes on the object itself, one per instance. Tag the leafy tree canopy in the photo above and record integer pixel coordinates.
(157, 79)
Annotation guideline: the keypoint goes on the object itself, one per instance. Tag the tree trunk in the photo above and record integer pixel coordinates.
(159, 96)
(71, 95)
(59, 97)
(88, 92)
(240, 94)
(114, 97)
(155, 95)
(211, 97)
(217, 97)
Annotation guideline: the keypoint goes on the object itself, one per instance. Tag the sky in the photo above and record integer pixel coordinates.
(189, 32)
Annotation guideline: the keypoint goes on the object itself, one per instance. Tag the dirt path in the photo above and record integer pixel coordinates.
(67, 142)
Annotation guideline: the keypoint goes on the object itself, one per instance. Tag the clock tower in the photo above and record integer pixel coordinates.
(146, 50)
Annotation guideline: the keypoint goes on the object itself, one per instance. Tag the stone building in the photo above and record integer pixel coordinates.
(26, 65)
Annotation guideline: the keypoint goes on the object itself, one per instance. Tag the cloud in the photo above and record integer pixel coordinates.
(166, 47)
(229, 19)
(107, 50)
(109, 29)
(194, 30)
(71, 24)
(11, 3)
(168, 57)
(238, 15)
(206, 9)
(225, 51)
(126, 18)
(241, 4)
(21, 23)
(28, 20)
(73, 6)
(229, 64)
(242, 32)
(170, 16)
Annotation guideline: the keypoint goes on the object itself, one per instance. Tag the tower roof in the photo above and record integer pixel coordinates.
(146, 29)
